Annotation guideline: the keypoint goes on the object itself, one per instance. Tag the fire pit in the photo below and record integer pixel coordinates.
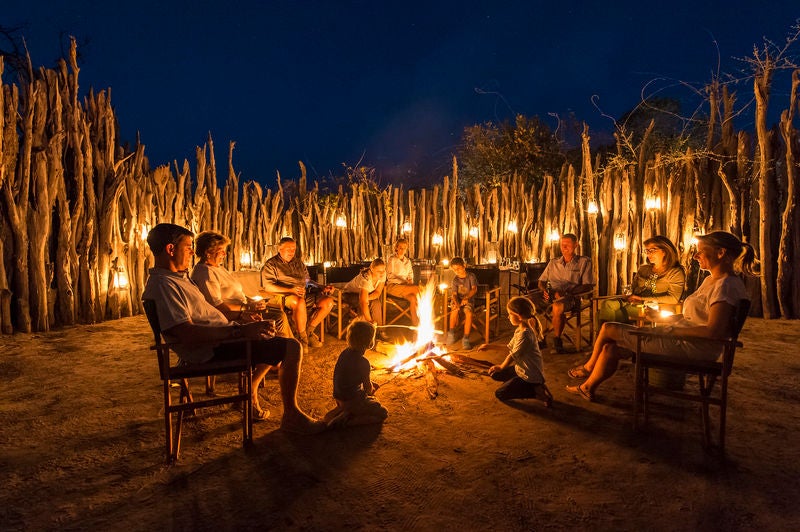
(423, 356)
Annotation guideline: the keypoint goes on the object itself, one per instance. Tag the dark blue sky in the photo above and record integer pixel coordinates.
(327, 81)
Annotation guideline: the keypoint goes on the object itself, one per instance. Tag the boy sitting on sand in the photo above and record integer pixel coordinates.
(352, 387)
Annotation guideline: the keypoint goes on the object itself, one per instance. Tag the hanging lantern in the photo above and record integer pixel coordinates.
(438, 239)
(554, 235)
(512, 227)
(592, 208)
(246, 259)
(652, 203)
(120, 281)
(144, 232)
(473, 231)
(406, 227)
(341, 221)
(619, 241)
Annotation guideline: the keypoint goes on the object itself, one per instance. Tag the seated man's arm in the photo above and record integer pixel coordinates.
(191, 333)
(271, 286)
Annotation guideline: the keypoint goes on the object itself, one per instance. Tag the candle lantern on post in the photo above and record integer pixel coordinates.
(512, 230)
(555, 237)
(491, 252)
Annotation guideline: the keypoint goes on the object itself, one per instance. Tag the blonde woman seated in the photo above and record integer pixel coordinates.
(400, 278)
(707, 313)
(223, 290)
(363, 293)
(660, 279)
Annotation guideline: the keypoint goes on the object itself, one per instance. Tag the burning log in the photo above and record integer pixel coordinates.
(463, 359)
(448, 366)
(432, 383)
(425, 352)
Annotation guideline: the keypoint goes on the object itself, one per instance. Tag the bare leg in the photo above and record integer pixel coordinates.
(294, 420)
(604, 368)
(609, 333)
(322, 309)
(259, 372)
(467, 322)
(558, 319)
(454, 318)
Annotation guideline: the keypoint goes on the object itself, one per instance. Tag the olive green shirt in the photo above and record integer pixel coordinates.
(665, 287)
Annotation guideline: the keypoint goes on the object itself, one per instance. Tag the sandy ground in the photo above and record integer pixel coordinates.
(82, 442)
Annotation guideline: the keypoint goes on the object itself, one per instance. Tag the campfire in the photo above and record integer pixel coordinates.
(423, 356)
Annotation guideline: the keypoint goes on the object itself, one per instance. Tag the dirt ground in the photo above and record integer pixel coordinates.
(82, 442)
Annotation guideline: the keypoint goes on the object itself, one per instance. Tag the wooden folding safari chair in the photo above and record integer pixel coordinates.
(707, 372)
(180, 373)
(487, 301)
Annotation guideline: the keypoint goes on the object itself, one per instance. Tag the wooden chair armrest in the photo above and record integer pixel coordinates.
(602, 298)
(654, 333)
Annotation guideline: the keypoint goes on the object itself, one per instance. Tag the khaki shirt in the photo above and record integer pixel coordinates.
(277, 272)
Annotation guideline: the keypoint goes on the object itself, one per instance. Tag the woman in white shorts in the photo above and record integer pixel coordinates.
(707, 313)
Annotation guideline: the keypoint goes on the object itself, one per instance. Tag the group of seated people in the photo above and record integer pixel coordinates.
(202, 310)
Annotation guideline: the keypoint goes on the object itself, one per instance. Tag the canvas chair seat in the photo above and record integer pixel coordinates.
(708, 373)
(338, 277)
(180, 373)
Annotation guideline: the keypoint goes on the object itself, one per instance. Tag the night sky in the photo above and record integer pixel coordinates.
(328, 82)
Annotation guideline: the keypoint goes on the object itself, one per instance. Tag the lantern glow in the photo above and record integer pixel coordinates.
(438, 239)
(473, 231)
(406, 227)
(512, 227)
(592, 208)
(120, 279)
(341, 221)
(619, 241)
(652, 203)
(554, 235)
(246, 259)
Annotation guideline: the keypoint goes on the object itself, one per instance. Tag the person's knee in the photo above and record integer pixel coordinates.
(292, 351)
(325, 305)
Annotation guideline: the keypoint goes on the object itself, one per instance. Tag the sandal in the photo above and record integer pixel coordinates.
(260, 414)
(578, 390)
(579, 372)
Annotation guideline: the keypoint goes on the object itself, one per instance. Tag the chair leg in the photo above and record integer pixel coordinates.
(645, 394)
(486, 322)
(637, 394)
(171, 457)
(705, 390)
(723, 407)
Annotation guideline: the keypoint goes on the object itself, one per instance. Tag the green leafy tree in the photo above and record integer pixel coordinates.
(491, 153)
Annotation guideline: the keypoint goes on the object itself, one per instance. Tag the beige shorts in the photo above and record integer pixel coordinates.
(398, 290)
